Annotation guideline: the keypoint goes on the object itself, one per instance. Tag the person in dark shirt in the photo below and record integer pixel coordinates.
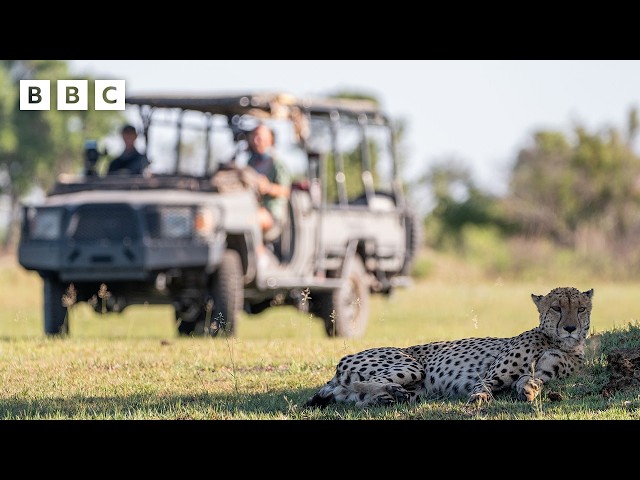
(130, 161)
(274, 183)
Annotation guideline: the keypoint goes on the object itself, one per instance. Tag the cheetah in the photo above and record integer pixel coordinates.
(474, 368)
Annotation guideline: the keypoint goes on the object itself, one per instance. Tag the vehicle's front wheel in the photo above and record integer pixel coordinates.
(55, 313)
(227, 294)
(221, 307)
(345, 311)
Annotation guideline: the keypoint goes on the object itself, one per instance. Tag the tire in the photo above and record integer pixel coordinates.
(345, 311)
(55, 313)
(220, 310)
(227, 294)
(415, 236)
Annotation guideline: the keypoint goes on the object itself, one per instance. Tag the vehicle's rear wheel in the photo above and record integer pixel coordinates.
(55, 313)
(415, 235)
(345, 311)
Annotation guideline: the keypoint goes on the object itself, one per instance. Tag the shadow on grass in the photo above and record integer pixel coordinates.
(276, 405)
(150, 406)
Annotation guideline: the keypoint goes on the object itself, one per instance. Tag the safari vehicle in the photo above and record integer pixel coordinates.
(187, 234)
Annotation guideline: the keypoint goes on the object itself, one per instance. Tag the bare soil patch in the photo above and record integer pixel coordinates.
(624, 370)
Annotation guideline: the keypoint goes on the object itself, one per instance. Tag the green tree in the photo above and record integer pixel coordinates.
(575, 189)
(37, 145)
(458, 202)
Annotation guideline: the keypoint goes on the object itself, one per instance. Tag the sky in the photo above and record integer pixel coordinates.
(478, 112)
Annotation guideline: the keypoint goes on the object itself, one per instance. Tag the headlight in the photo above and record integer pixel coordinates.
(206, 221)
(44, 223)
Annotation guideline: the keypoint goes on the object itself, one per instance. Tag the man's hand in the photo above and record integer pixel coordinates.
(265, 187)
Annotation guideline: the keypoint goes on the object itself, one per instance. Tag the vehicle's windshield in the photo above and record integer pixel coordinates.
(185, 150)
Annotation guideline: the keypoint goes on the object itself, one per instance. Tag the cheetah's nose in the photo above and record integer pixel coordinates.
(569, 328)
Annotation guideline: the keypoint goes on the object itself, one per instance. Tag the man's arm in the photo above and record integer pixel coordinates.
(272, 189)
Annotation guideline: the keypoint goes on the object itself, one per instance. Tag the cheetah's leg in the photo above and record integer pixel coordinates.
(379, 391)
(551, 364)
(494, 380)
(388, 386)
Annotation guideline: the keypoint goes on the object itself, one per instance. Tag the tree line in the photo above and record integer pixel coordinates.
(580, 191)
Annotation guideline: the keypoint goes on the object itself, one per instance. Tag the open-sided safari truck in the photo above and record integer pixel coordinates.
(187, 234)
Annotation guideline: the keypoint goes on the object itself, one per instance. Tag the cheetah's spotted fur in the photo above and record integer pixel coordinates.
(475, 368)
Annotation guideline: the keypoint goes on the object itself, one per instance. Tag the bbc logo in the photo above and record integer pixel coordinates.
(72, 94)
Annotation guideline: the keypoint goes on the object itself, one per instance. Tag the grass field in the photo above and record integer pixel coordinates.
(134, 366)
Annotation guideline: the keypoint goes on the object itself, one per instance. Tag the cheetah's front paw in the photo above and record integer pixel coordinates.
(480, 398)
(530, 389)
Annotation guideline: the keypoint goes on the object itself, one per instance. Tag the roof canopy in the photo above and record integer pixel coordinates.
(271, 104)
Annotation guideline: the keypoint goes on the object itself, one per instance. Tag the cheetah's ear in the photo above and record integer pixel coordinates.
(537, 299)
(588, 293)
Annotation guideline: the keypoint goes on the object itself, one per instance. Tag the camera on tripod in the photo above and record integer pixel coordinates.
(91, 156)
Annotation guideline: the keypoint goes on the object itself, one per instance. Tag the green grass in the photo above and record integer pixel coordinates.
(134, 366)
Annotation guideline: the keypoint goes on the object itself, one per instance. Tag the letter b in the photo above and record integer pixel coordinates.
(35, 95)
(73, 94)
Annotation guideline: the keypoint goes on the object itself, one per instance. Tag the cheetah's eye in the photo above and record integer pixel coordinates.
(555, 308)
(582, 309)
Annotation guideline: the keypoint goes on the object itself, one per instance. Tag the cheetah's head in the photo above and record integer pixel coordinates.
(565, 314)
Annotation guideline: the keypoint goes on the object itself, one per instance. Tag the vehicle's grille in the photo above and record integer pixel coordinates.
(103, 222)
(175, 222)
